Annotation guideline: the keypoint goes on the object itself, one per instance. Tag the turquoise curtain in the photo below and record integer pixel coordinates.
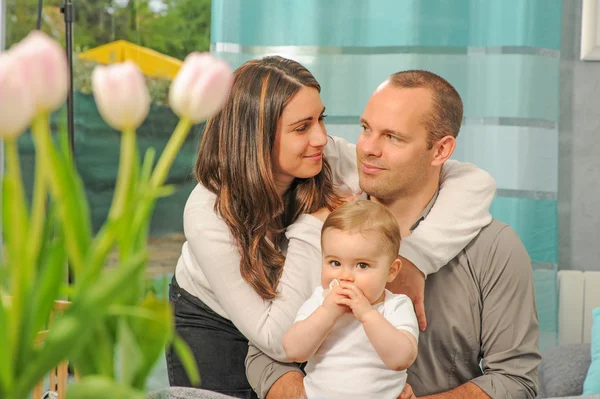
(502, 56)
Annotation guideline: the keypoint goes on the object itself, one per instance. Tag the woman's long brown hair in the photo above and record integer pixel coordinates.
(235, 163)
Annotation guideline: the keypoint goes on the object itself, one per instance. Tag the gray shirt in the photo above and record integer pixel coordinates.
(480, 311)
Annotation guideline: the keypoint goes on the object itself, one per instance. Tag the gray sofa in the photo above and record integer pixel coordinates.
(562, 373)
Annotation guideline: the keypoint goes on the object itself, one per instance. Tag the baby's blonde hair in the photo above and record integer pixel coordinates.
(366, 217)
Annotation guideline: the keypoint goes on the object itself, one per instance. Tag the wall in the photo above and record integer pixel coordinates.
(579, 149)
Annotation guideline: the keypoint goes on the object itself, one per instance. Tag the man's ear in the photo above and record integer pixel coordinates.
(394, 269)
(443, 150)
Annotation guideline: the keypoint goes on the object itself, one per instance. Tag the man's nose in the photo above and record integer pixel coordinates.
(369, 145)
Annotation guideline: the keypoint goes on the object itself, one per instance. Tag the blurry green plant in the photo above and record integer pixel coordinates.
(114, 331)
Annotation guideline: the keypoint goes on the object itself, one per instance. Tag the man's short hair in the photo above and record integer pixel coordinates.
(446, 114)
(366, 217)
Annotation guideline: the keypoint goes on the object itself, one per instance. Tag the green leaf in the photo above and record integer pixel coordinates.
(72, 331)
(116, 282)
(74, 210)
(153, 329)
(51, 272)
(6, 372)
(130, 354)
(97, 356)
(187, 359)
(47, 288)
(164, 191)
(96, 387)
(67, 191)
(16, 223)
(100, 248)
(147, 165)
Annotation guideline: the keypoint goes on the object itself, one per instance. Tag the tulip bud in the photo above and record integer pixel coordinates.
(16, 104)
(121, 95)
(45, 65)
(200, 88)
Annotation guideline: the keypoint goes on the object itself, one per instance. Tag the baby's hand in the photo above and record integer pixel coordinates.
(333, 302)
(356, 300)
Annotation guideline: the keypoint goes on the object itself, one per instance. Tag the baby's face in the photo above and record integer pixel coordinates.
(355, 258)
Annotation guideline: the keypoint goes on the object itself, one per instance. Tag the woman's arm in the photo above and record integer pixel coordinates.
(459, 213)
(341, 156)
(261, 321)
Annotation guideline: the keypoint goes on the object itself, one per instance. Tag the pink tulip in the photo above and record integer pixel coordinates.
(16, 104)
(121, 95)
(200, 88)
(44, 64)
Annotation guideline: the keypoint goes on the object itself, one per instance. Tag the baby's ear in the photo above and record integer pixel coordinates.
(394, 269)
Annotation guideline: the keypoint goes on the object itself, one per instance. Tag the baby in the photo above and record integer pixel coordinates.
(357, 337)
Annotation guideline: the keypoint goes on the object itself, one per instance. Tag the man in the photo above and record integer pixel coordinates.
(482, 335)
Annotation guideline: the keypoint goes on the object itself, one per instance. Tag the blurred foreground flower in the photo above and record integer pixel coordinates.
(113, 333)
(44, 64)
(200, 88)
(121, 95)
(16, 104)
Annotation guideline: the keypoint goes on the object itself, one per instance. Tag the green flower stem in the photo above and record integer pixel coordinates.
(160, 172)
(170, 152)
(58, 189)
(106, 237)
(17, 203)
(126, 167)
(17, 227)
(38, 209)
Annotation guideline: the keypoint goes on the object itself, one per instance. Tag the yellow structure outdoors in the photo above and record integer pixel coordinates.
(152, 63)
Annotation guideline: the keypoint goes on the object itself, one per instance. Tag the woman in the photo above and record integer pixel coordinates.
(248, 263)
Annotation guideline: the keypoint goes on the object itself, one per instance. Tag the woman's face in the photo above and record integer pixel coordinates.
(300, 138)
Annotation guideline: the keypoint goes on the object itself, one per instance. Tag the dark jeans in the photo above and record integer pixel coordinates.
(218, 347)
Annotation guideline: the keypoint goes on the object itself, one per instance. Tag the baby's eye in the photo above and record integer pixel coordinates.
(363, 265)
(335, 263)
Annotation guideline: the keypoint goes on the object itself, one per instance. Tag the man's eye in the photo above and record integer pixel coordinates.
(393, 138)
(363, 265)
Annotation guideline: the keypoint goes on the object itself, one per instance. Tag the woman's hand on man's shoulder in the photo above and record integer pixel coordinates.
(321, 214)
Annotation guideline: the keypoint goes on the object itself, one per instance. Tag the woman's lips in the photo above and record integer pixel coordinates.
(315, 157)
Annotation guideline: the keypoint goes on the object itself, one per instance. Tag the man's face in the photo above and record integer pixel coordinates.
(392, 151)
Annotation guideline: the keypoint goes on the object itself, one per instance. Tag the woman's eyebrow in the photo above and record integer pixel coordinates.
(310, 118)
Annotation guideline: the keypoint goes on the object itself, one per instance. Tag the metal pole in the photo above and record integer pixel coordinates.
(38, 25)
(67, 10)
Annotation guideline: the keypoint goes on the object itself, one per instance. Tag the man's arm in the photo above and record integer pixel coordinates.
(509, 321)
(271, 379)
(468, 390)
(288, 386)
